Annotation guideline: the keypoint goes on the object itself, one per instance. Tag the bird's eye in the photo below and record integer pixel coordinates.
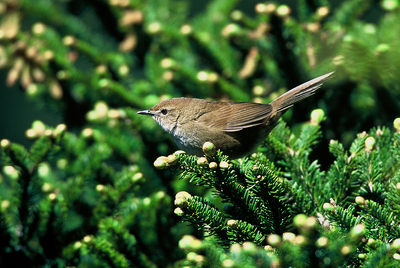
(164, 111)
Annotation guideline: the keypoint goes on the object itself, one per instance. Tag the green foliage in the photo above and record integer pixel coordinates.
(87, 194)
(348, 229)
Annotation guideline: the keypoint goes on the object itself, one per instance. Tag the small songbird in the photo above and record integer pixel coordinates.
(237, 128)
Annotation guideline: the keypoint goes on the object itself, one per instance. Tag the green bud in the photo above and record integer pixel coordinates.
(322, 242)
(181, 199)
(357, 232)
(77, 245)
(153, 28)
(11, 172)
(202, 161)
(317, 116)
(101, 108)
(395, 244)
(179, 152)
(47, 187)
(91, 116)
(283, 11)
(258, 90)
(123, 70)
(48, 133)
(191, 256)
(60, 129)
(43, 170)
(87, 132)
(228, 263)
(167, 63)
(39, 126)
(181, 202)
(236, 15)
(63, 75)
(348, 38)
(172, 160)
(274, 240)
(62, 163)
(390, 5)
(382, 48)
(362, 256)
(329, 208)
(223, 165)
(371, 242)
(160, 195)
(231, 28)
(52, 196)
(233, 223)
(32, 90)
(5, 144)
(213, 165)
(186, 29)
(360, 201)
(269, 248)
(38, 28)
(31, 134)
(5, 204)
(396, 124)
(369, 143)
(100, 187)
(189, 242)
(183, 195)
(346, 250)
(209, 149)
(311, 223)
(370, 28)
(249, 247)
(265, 8)
(146, 201)
(287, 236)
(88, 239)
(300, 240)
(299, 220)
(199, 259)
(236, 248)
(161, 162)
(137, 177)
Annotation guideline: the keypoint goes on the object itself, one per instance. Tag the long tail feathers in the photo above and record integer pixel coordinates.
(298, 93)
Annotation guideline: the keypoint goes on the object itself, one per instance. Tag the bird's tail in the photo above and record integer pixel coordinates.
(299, 93)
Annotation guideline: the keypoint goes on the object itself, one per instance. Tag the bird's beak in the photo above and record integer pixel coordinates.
(146, 112)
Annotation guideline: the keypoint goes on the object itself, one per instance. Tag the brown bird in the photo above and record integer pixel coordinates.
(236, 128)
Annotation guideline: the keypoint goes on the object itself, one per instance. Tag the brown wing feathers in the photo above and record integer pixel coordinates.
(245, 115)
(299, 93)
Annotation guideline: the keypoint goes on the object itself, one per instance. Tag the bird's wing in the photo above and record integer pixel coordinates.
(232, 117)
(246, 115)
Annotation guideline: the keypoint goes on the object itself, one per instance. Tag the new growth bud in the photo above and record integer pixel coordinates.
(163, 162)
(396, 124)
(181, 199)
(202, 161)
(357, 232)
(233, 224)
(360, 201)
(369, 144)
(209, 149)
(223, 165)
(274, 240)
(317, 116)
